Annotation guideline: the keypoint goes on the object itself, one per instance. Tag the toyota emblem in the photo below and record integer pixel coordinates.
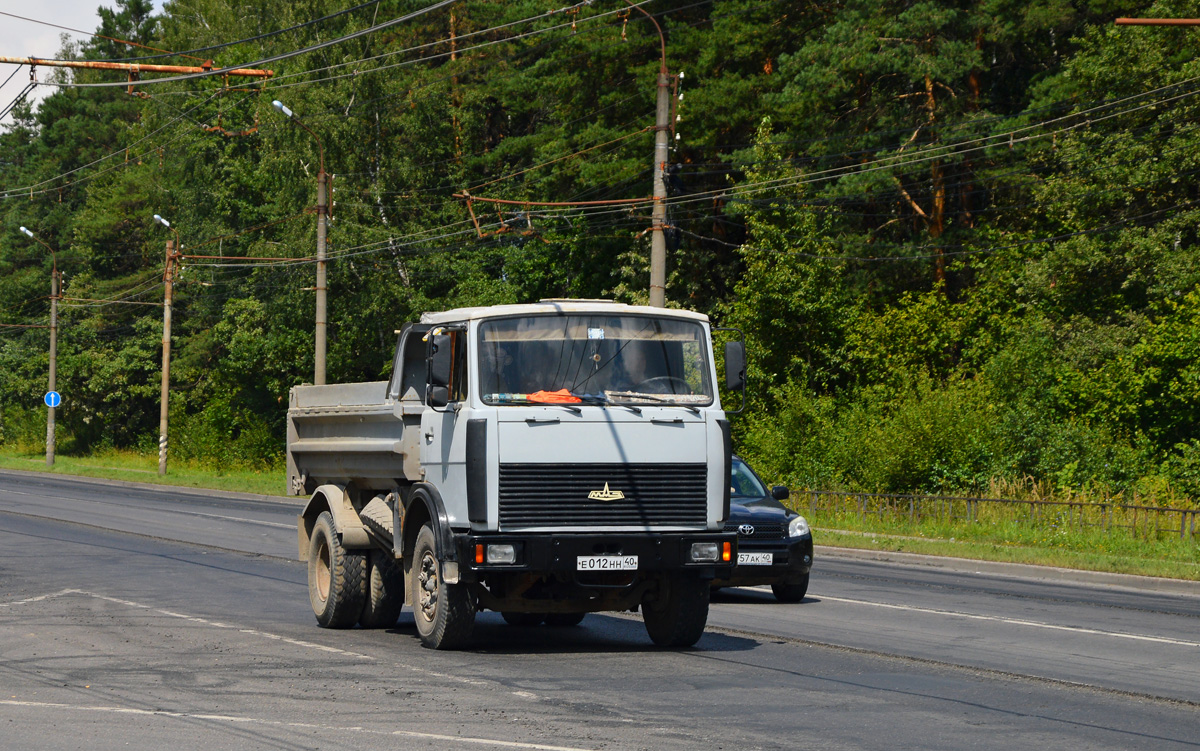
(746, 530)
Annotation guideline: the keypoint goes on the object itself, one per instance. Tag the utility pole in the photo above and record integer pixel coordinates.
(50, 431)
(168, 289)
(163, 411)
(658, 241)
(322, 228)
(662, 126)
(53, 364)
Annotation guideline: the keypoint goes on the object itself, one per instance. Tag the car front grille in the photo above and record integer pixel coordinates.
(769, 531)
(557, 495)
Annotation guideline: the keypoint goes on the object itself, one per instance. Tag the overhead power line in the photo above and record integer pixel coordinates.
(268, 34)
(265, 60)
(101, 36)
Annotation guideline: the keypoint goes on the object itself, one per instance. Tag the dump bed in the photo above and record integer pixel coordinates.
(351, 433)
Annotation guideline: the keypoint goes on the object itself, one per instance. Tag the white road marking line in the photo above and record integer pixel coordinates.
(188, 513)
(240, 519)
(262, 634)
(217, 624)
(39, 598)
(279, 723)
(1014, 621)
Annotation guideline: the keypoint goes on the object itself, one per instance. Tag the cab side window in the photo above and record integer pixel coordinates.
(458, 368)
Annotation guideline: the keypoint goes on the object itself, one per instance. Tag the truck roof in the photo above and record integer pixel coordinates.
(544, 307)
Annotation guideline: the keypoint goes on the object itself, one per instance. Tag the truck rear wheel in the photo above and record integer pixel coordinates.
(336, 577)
(676, 618)
(444, 613)
(385, 591)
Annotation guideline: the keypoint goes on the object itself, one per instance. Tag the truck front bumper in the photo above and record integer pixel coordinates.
(561, 553)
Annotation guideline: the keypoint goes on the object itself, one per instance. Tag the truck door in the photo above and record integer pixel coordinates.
(444, 423)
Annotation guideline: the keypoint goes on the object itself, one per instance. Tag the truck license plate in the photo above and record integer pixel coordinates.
(606, 563)
(756, 559)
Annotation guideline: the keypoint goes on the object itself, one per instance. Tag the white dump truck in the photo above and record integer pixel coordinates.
(543, 461)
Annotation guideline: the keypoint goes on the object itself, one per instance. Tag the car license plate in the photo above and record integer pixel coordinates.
(756, 559)
(606, 563)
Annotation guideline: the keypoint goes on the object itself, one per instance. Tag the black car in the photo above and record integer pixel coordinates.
(775, 545)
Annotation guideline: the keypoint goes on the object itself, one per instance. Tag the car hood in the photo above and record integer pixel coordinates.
(758, 510)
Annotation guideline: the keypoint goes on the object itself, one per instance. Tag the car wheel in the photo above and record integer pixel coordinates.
(791, 590)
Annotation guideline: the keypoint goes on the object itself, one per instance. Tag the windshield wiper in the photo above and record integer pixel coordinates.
(604, 401)
(657, 399)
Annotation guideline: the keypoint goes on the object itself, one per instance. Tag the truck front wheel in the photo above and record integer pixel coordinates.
(676, 617)
(444, 613)
(337, 578)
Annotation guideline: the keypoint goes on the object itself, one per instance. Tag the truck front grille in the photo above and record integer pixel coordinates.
(557, 495)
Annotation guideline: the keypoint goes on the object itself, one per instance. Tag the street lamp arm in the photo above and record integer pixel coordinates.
(46, 245)
(320, 146)
(292, 116)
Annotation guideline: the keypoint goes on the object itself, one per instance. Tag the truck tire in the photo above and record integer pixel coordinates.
(564, 620)
(444, 613)
(385, 591)
(337, 578)
(791, 590)
(677, 617)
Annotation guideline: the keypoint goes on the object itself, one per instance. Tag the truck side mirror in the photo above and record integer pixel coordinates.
(437, 394)
(440, 354)
(735, 365)
(780, 492)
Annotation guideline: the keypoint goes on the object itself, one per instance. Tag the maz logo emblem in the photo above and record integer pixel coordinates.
(606, 494)
(746, 530)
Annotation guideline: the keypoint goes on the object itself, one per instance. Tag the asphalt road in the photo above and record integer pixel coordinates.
(138, 617)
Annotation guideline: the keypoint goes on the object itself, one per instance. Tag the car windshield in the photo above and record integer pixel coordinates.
(743, 483)
(594, 359)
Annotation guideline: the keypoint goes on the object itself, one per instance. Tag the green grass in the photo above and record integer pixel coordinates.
(134, 467)
(1116, 551)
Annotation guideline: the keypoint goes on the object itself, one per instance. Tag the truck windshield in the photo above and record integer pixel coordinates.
(594, 359)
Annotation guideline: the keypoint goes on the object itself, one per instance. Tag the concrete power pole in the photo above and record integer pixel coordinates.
(53, 364)
(322, 228)
(169, 286)
(53, 343)
(658, 241)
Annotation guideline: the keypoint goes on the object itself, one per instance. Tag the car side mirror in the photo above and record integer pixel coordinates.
(780, 493)
(735, 365)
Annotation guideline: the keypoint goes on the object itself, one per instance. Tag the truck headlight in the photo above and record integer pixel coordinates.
(502, 553)
(798, 527)
(705, 552)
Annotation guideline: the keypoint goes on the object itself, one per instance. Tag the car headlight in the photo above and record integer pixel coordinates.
(798, 527)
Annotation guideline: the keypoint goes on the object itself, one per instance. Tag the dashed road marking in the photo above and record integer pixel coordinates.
(1015, 621)
(451, 739)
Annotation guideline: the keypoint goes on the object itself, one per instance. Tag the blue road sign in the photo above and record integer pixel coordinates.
(53, 398)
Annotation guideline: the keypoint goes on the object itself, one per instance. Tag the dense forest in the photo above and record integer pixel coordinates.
(961, 237)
